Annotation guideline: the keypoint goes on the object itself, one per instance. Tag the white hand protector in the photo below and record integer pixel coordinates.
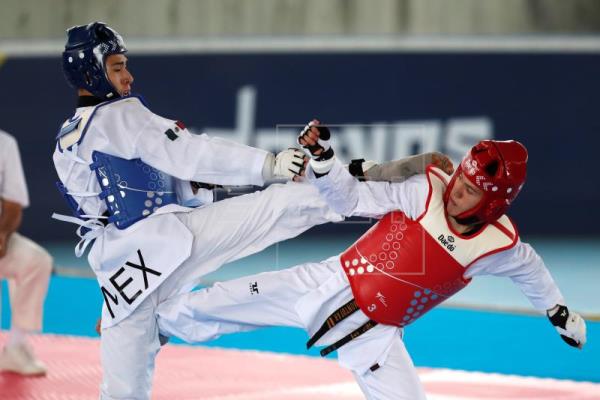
(289, 164)
(569, 325)
(314, 138)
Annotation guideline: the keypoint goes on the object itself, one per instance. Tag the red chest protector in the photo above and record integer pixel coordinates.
(402, 268)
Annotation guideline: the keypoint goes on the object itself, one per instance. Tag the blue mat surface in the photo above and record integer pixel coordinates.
(449, 338)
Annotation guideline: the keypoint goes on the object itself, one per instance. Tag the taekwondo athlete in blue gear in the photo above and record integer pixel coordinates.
(109, 150)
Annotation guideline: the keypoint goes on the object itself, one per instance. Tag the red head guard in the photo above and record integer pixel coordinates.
(499, 169)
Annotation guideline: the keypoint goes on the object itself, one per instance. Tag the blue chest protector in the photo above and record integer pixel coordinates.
(131, 189)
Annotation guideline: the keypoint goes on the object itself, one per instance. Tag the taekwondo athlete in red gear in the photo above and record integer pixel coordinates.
(359, 302)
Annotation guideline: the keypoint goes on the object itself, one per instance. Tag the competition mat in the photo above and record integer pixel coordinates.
(185, 372)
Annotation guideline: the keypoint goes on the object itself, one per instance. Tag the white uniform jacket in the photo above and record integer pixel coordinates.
(520, 263)
(131, 263)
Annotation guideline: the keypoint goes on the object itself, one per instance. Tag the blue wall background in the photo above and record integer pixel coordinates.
(547, 101)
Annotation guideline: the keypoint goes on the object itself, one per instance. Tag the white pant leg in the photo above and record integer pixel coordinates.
(396, 379)
(223, 232)
(27, 266)
(265, 299)
(244, 225)
(128, 352)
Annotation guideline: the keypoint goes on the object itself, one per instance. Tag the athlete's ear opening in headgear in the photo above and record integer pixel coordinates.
(84, 58)
(499, 169)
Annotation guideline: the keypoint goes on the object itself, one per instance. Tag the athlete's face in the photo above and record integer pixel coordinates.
(463, 197)
(118, 74)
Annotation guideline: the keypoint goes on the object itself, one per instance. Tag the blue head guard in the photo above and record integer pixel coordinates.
(85, 55)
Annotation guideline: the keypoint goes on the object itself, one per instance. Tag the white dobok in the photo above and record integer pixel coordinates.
(306, 295)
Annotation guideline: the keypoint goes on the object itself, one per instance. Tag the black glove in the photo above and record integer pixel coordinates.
(314, 138)
(321, 150)
(569, 325)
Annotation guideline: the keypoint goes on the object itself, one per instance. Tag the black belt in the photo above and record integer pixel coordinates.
(335, 318)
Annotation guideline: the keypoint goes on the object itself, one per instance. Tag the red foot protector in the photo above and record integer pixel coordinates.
(185, 372)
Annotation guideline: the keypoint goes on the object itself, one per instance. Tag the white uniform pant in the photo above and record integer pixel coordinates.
(27, 266)
(281, 298)
(223, 232)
